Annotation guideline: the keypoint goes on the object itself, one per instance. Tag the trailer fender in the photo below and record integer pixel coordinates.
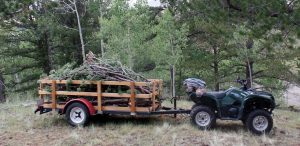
(84, 102)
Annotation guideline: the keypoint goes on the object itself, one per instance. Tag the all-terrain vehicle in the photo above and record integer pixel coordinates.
(253, 108)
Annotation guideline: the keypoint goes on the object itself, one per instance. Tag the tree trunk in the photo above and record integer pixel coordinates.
(102, 47)
(50, 52)
(249, 71)
(179, 86)
(2, 89)
(100, 19)
(80, 31)
(216, 69)
(129, 50)
(249, 64)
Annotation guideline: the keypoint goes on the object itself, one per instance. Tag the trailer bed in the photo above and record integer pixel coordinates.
(98, 95)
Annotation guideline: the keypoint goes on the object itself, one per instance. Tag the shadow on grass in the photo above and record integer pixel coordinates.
(230, 126)
(100, 120)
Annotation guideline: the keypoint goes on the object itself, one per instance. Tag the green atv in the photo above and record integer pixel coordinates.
(253, 108)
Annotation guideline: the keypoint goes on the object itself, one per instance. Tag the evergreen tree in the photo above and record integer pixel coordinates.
(125, 32)
(213, 40)
(213, 26)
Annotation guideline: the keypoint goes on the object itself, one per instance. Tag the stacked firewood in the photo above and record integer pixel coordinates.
(111, 69)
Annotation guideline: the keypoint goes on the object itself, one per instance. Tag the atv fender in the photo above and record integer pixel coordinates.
(257, 102)
(209, 101)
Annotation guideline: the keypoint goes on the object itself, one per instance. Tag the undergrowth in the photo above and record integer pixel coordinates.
(20, 126)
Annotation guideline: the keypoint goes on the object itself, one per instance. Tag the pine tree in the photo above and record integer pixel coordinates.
(213, 25)
(125, 32)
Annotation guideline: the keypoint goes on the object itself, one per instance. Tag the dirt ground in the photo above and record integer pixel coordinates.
(19, 126)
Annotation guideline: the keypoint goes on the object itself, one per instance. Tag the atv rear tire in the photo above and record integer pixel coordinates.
(203, 117)
(77, 114)
(244, 119)
(259, 122)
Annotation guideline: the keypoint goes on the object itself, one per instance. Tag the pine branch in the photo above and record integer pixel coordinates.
(19, 69)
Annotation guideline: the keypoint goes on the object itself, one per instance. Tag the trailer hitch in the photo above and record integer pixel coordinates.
(42, 110)
(40, 107)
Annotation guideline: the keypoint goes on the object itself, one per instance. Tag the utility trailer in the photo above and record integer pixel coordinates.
(80, 99)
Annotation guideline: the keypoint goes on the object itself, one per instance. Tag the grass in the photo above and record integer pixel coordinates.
(19, 126)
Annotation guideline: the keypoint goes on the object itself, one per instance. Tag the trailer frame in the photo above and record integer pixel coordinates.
(99, 108)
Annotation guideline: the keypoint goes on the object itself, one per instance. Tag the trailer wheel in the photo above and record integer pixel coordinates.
(203, 117)
(77, 114)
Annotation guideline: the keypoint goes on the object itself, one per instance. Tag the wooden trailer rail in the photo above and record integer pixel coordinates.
(155, 84)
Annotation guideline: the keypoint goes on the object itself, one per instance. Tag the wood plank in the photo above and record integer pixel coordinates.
(80, 82)
(41, 96)
(67, 81)
(146, 96)
(160, 89)
(99, 97)
(142, 83)
(74, 93)
(53, 95)
(115, 108)
(106, 108)
(125, 109)
(153, 95)
(125, 95)
(126, 83)
(132, 97)
(117, 95)
(43, 92)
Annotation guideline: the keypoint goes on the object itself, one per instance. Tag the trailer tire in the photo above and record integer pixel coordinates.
(77, 114)
(203, 117)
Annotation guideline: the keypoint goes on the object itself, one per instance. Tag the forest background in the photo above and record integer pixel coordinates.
(214, 40)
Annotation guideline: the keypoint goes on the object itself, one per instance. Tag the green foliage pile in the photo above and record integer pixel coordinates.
(98, 69)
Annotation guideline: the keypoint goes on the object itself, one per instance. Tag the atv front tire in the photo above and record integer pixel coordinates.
(259, 122)
(203, 117)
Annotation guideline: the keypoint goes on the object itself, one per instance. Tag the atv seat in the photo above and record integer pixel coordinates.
(218, 95)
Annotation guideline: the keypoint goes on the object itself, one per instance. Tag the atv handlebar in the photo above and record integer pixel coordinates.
(243, 83)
